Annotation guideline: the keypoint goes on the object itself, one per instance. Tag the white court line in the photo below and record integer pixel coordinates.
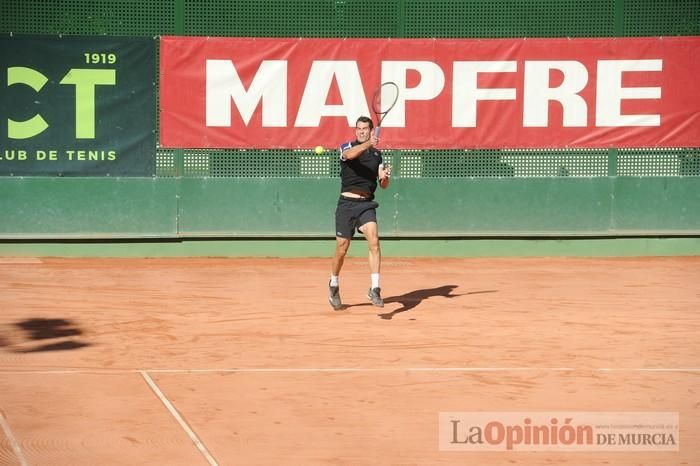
(12, 439)
(198, 443)
(649, 369)
(369, 369)
(421, 369)
(353, 369)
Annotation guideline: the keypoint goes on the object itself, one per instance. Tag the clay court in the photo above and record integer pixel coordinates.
(242, 361)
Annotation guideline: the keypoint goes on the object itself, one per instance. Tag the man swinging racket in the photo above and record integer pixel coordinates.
(361, 170)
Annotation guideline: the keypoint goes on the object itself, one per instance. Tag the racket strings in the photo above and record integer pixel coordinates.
(385, 98)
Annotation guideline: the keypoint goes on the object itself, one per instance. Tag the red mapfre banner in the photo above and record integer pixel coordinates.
(454, 93)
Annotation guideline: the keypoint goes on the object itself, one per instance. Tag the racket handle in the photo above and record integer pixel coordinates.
(376, 132)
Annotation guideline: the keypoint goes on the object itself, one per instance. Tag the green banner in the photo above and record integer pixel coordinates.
(77, 106)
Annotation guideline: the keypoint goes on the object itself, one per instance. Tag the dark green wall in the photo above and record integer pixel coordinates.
(435, 193)
(135, 208)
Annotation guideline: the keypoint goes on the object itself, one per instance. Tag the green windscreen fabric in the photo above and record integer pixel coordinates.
(88, 17)
(453, 163)
(377, 19)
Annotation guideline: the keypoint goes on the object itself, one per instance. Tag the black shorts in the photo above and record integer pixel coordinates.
(351, 214)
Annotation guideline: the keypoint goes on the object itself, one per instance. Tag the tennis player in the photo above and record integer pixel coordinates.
(361, 169)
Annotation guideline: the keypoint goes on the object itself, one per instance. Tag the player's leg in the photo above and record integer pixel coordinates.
(341, 249)
(344, 230)
(371, 232)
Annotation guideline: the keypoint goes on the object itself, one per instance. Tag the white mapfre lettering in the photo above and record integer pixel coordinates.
(466, 93)
(537, 93)
(268, 90)
(610, 93)
(313, 103)
(430, 85)
(269, 86)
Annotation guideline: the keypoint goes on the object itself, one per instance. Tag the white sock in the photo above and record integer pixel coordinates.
(334, 280)
(375, 280)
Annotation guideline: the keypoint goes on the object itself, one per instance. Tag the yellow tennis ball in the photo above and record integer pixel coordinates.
(319, 150)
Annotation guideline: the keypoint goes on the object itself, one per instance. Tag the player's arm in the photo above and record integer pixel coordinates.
(349, 152)
(384, 174)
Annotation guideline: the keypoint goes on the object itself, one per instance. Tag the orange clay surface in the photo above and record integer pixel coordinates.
(243, 361)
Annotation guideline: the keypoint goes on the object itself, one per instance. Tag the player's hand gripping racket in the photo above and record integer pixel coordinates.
(383, 100)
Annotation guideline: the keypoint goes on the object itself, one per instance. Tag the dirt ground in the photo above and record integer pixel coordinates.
(243, 361)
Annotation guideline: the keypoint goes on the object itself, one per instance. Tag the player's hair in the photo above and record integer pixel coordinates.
(365, 119)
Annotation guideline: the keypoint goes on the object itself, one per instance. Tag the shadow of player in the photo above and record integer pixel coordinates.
(412, 299)
(39, 329)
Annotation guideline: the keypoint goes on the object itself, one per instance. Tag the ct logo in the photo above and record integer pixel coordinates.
(84, 80)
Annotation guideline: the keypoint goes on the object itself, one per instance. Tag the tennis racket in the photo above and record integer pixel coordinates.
(383, 100)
